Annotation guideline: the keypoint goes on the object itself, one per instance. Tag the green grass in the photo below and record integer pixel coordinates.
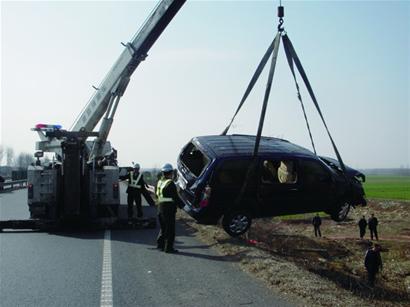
(388, 187)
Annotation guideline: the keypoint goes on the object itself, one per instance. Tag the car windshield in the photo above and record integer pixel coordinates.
(194, 159)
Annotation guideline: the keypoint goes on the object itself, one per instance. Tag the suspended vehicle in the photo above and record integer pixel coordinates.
(241, 177)
(286, 179)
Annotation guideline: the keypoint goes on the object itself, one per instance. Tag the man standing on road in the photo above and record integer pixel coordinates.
(373, 263)
(373, 222)
(362, 226)
(316, 222)
(136, 187)
(168, 200)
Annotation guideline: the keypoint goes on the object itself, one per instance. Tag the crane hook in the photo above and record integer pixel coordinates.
(281, 14)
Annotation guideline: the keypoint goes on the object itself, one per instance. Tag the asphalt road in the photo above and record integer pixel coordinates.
(74, 269)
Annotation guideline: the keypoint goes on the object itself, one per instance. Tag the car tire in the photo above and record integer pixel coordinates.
(340, 214)
(236, 223)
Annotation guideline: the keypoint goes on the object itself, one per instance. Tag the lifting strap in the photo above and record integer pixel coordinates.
(292, 53)
(254, 163)
(290, 62)
(276, 42)
(251, 84)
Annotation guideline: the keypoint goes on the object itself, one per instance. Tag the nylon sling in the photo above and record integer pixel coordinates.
(251, 84)
(290, 62)
(292, 53)
(267, 93)
(253, 165)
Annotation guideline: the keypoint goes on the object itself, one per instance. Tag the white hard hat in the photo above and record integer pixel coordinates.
(167, 168)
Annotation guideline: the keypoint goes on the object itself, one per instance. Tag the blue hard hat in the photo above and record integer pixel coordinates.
(167, 168)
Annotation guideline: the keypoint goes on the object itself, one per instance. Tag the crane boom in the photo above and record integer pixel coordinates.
(105, 100)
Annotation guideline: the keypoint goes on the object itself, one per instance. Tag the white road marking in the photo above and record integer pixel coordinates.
(106, 276)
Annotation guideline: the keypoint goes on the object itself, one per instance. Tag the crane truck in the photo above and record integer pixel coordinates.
(81, 187)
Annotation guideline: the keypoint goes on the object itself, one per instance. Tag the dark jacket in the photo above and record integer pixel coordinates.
(373, 261)
(317, 221)
(362, 223)
(373, 222)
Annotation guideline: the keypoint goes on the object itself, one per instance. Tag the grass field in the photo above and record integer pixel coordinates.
(388, 187)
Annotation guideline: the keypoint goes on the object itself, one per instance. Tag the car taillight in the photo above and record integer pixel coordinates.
(30, 191)
(206, 194)
(115, 190)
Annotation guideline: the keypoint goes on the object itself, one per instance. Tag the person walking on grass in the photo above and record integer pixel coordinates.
(373, 222)
(316, 222)
(362, 227)
(373, 263)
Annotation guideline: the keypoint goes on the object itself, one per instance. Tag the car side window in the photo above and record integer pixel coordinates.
(312, 172)
(232, 172)
(287, 173)
(269, 171)
(278, 172)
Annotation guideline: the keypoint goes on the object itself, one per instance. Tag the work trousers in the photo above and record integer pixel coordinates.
(317, 231)
(362, 232)
(373, 233)
(134, 196)
(166, 217)
(371, 277)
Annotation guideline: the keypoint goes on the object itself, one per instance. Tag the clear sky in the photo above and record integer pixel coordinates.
(356, 54)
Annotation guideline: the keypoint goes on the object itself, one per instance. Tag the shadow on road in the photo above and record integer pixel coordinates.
(145, 237)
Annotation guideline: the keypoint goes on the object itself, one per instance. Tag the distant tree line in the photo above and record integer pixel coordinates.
(9, 158)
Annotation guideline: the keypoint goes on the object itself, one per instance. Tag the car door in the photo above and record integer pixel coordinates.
(227, 181)
(277, 196)
(317, 186)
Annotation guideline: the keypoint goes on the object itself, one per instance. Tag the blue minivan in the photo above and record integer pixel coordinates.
(284, 179)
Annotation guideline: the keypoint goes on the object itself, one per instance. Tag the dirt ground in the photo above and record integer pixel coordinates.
(327, 271)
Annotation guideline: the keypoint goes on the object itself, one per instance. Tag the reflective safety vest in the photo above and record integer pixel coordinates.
(134, 182)
(162, 184)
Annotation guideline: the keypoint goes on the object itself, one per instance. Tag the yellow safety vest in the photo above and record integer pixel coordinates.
(162, 184)
(134, 182)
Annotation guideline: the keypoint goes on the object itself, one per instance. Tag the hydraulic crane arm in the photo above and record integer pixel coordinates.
(105, 100)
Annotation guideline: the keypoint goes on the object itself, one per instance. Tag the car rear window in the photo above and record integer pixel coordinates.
(194, 159)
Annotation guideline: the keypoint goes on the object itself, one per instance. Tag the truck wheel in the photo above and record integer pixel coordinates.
(340, 214)
(236, 223)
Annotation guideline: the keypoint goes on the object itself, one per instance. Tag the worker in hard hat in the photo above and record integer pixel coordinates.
(136, 187)
(167, 200)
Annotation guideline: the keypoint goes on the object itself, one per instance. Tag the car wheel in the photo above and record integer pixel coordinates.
(236, 223)
(341, 213)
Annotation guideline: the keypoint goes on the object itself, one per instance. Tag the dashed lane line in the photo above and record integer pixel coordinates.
(106, 276)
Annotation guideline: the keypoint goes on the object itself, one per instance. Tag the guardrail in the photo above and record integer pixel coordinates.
(11, 185)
